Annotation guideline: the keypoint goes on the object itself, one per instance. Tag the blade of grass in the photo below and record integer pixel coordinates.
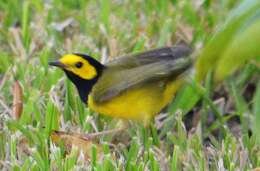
(241, 105)
(25, 24)
(185, 100)
(256, 107)
(208, 90)
(199, 89)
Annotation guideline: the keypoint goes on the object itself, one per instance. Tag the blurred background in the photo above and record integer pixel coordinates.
(209, 126)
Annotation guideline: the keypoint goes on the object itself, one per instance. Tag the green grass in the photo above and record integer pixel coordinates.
(33, 32)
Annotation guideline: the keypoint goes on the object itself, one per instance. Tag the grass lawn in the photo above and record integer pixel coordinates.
(209, 126)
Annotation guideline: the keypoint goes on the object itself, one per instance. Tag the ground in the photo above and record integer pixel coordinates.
(42, 120)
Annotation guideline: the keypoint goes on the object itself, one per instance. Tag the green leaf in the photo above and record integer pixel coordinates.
(223, 42)
(186, 98)
(244, 47)
(69, 104)
(94, 156)
(26, 165)
(51, 118)
(15, 125)
(174, 161)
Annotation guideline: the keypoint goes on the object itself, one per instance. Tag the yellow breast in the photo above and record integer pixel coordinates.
(139, 104)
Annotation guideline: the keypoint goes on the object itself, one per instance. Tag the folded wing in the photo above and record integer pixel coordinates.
(133, 70)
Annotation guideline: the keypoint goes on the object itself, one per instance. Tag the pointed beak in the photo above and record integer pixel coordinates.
(57, 64)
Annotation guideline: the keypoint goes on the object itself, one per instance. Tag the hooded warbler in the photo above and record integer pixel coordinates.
(132, 87)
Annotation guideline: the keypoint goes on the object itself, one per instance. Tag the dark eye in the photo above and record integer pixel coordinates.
(79, 64)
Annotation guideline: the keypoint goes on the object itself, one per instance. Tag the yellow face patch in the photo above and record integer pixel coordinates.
(79, 66)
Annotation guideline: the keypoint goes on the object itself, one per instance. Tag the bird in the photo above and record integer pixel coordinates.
(132, 87)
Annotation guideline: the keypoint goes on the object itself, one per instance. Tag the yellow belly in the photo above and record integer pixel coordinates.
(140, 104)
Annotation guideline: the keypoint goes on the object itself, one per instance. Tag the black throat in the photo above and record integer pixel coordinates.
(84, 86)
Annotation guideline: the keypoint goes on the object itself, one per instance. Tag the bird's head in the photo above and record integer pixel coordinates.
(82, 70)
(80, 65)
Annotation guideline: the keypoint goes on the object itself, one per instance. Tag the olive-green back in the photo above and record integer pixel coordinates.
(134, 70)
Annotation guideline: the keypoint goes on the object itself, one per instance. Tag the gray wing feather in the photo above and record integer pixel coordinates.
(151, 56)
(146, 67)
